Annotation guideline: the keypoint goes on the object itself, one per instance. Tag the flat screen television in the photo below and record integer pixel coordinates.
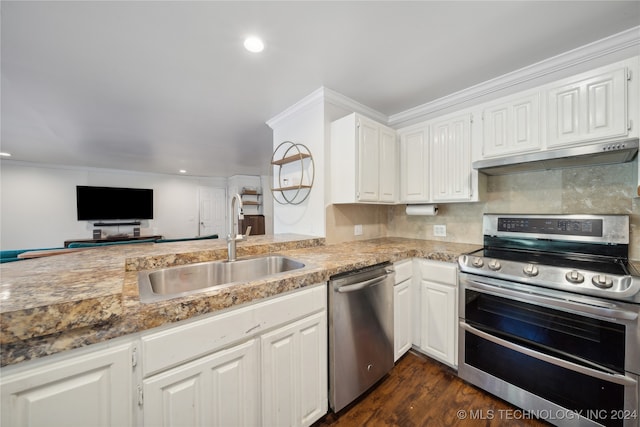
(104, 203)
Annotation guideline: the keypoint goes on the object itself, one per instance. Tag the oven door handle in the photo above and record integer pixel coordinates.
(604, 311)
(614, 378)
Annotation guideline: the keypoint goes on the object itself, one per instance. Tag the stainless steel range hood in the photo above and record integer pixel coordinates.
(605, 153)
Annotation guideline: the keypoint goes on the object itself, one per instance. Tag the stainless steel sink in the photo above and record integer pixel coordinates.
(172, 282)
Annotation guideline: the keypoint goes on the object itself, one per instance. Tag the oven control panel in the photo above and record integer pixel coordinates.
(598, 229)
(567, 227)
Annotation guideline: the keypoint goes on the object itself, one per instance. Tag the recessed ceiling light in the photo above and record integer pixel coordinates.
(3, 154)
(253, 44)
(182, 171)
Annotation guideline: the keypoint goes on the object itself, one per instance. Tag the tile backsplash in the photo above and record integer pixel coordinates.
(598, 189)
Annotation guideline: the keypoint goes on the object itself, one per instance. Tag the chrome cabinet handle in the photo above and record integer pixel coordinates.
(614, 378)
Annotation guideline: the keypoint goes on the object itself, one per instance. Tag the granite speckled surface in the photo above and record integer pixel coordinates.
(49, 304)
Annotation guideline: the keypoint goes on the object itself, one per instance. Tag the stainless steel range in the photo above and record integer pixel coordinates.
(549, 317)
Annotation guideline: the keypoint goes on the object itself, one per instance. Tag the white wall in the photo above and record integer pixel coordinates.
(38, 203)
(303, 124)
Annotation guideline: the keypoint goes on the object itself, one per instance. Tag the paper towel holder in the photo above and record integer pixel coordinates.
(423, 210)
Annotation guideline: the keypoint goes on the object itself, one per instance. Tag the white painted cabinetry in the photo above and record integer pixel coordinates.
(294, 373)
(438, 310)
(90, 387)
(402, 312)
(451, 159)
(246, 367)
(414, 165)
(364, 157)
(512, 125)
(598, 105)
(216, 390)
(587, 107)
(388, 180)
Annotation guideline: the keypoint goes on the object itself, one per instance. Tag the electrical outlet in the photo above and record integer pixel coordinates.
(357, 230)
(440, 230)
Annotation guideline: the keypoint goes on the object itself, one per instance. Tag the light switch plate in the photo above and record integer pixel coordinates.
(357, 230)
(440, 230)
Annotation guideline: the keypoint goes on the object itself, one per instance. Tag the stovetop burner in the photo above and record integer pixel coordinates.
(585, 254)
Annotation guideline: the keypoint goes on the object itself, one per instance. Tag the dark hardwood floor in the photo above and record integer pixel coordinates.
(422, 392)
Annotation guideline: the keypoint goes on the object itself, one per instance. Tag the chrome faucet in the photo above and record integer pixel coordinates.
(232, 237)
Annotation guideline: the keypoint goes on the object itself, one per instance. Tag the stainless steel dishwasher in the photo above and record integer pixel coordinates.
(360, 331)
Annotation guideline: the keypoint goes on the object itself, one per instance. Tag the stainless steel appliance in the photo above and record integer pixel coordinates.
(549, 317)
(360, 331)
(600, 153)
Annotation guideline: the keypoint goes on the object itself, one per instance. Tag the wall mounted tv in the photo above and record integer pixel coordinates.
(104, 203)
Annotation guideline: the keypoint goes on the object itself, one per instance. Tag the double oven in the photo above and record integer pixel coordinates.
(549, 318)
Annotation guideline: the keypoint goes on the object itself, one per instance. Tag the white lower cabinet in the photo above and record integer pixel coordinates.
(402, 313)
(90, 387)
(261, 364)
(439, 310)
(294, 373)
(217, 390)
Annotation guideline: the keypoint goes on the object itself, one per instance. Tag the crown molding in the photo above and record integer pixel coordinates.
(349, 104)
(609, 46)
(312, 99)
(625, 41)
(326, 95)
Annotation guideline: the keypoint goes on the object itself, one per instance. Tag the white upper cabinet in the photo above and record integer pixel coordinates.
(512, 125)
(451, 159)
(414, 165)
(368, 147)
(388, 180)
(364, 157)
(587, 107)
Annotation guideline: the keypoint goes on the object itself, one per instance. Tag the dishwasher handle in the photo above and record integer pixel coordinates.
(362, 285)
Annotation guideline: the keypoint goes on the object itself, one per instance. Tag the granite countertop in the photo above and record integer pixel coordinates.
(52, 304)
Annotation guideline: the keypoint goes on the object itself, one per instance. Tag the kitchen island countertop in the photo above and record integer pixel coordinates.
(56, 303)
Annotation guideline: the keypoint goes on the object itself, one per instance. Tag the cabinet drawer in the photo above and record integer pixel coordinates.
(191, 339)
(404, 270)
(439, 272)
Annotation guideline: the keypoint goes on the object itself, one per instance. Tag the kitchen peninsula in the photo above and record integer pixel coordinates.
(68, 301)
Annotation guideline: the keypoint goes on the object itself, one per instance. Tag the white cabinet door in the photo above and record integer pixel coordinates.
(363, 161)
(388, 176)
(368, 161)
(439, 321)
(90, 389)
(402, 319)
(216, 390)
(294, 373)
(451, 159)
(438, 310)
(588, 108)
(512, 126)
(414, 166)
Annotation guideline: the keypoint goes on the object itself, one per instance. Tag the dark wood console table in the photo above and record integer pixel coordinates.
(255, 221)
(117, 239)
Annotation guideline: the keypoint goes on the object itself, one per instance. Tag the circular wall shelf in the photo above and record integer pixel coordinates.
(296, 172)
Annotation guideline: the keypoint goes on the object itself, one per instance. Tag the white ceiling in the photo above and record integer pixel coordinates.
(162, 86)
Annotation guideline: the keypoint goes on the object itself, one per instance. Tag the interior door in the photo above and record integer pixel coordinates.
(212, 212)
